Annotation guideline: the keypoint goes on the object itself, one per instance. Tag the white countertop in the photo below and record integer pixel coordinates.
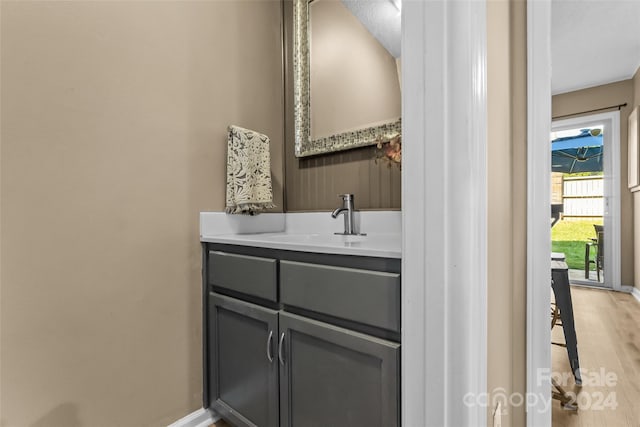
(374, 245)
(306, 232)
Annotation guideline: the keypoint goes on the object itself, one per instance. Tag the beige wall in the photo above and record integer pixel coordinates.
(636, 241)
(636, 88)
(594, 98)
(636, 196)
(354, 80)
(114, 117)
(507, 201)
(313, 183)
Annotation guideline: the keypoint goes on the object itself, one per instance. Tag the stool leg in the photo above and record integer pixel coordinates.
(586, 260)
(562, 291)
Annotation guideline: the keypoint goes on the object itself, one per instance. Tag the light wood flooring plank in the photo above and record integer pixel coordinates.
(608, 330)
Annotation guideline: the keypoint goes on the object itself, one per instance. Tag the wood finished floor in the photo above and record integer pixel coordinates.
(608, 331)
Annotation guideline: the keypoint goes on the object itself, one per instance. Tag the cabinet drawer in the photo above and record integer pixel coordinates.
(363, 296)
(249, 275)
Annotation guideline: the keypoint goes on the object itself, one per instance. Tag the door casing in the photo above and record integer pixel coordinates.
(611, 169)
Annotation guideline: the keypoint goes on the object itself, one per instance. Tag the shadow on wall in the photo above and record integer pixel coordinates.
(65, 414)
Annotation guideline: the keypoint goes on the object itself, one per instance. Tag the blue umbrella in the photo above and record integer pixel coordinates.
(580, 153)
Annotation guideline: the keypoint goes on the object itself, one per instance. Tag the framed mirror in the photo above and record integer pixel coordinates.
(346, 78)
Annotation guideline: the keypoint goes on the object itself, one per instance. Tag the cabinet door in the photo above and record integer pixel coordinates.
(243, 380)
(330, 376)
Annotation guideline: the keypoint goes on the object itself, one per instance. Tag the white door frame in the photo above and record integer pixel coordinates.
(611, 168)
(538, 201)
(444, 188)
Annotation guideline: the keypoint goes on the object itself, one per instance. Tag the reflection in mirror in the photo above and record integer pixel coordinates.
(346, 74)
(354, 79)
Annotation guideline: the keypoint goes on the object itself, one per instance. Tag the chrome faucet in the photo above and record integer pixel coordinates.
(347, 210)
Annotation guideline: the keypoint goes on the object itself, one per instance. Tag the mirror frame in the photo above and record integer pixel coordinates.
(304, 145)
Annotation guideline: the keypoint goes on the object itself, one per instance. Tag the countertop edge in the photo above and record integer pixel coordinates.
(296, 246)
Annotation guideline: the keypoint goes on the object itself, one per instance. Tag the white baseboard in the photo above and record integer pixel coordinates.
(200, 418)
(632, 290)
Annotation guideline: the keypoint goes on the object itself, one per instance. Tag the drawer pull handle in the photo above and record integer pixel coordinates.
(269, 340)
(280, 349)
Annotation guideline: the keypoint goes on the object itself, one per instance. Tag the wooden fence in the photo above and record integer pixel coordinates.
(583, 196)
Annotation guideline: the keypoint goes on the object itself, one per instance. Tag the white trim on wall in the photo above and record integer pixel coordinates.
(538, 202)
(444, 190)
(636, 293)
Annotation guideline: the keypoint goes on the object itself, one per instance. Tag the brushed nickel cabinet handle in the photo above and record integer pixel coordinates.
(280, 349)
(269, 340)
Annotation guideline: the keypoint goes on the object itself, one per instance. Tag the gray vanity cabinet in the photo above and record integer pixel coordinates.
(297, 339)
(243, 367)
(330, 376)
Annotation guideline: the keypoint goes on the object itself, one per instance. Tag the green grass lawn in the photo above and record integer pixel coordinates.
(570, 237)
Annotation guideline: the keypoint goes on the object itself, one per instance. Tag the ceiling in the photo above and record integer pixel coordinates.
(593, 42)
(382, 19)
